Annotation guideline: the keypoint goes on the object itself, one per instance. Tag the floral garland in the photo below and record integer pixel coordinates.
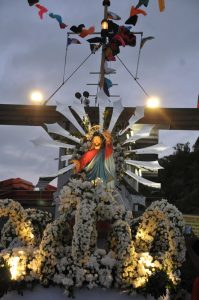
(119, 158)
(170, 224)
(23, 227)
(21, 257)
(68, 255)
(56, 237)
(39, 220)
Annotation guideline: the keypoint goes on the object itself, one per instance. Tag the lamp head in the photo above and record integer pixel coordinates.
(78, 95)
(86, 94)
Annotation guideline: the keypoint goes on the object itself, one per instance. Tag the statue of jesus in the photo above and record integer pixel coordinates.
(98, 161)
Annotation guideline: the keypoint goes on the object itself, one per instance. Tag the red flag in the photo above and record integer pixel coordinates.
(42, 10)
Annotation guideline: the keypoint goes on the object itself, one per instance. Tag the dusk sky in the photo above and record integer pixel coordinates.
(32, 57)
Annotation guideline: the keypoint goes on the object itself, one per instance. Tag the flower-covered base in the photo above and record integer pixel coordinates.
(140, 256)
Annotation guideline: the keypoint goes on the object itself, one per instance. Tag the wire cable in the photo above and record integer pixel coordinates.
(59, 87)
(133, 76)
(138, 62)
(65, 58)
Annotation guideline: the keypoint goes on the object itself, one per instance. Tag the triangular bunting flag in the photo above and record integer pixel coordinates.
(95, 40)
(42, 10)
(161, 4)
(94, 47)
(144, 40)
(137, 11)
(108, 70)
(107, 85)
(73, 41)
(86, 32)
(59, 20)
(132, 20)
(77, 29)
(32, 2)
(142, 2)
(113, 16)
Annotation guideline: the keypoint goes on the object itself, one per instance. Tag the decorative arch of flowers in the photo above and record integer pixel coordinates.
(68, 255)
(39, 220)
(161, 226)
(18, 216)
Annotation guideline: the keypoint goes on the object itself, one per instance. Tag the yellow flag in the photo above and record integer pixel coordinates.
(161, 5)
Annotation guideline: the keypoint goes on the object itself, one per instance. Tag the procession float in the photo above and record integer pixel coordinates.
(95, 241)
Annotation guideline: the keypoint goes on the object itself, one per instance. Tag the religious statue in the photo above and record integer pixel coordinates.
(98, 161)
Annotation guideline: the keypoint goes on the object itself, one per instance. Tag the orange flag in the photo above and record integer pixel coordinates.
(136, 11)
(86, 32)
(161, 5)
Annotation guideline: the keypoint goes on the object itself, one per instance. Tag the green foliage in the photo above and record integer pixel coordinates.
(180, 178)
(157, 285)
(5, 277)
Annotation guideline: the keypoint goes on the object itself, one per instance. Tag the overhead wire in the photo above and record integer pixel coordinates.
(65, 58)
(138, 61)
(60, 86)
(133, 76)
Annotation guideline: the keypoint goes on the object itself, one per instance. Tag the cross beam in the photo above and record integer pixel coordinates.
(165, 118)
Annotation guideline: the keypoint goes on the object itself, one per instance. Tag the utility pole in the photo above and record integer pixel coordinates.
(106, 4)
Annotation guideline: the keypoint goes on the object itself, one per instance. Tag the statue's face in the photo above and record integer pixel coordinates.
(96, 142)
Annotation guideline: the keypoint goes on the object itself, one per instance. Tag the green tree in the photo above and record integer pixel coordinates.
(180, 178)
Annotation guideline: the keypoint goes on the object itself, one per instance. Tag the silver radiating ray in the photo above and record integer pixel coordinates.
(143, 133)
(66, 158)
(59, 172)
(80, 110)
(155, 149)
(65, 169)
(56, 128)
(138, 114)
(149, 165)
(41, 141)
(143, 180)
(117, 110)
(65, 111)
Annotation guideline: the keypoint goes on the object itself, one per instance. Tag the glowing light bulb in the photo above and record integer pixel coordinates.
(13, 264)
(153, 102)
(36, 97)
(104, 24)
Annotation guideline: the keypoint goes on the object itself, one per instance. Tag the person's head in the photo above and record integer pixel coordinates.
(97, 141)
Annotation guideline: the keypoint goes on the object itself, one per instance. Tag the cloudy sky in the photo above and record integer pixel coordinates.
(32, 57)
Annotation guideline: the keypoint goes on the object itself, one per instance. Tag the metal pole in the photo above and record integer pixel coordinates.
(106, 4)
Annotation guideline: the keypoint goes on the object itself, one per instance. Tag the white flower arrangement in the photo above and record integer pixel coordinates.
(68, 255)
(161, 228)
(39, 220)
(23, 227)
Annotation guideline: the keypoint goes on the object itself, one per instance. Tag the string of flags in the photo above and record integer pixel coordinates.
(118, 36)
(122, 35)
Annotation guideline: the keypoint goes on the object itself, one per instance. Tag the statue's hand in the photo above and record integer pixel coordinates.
(77, 165)
(107, 136)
